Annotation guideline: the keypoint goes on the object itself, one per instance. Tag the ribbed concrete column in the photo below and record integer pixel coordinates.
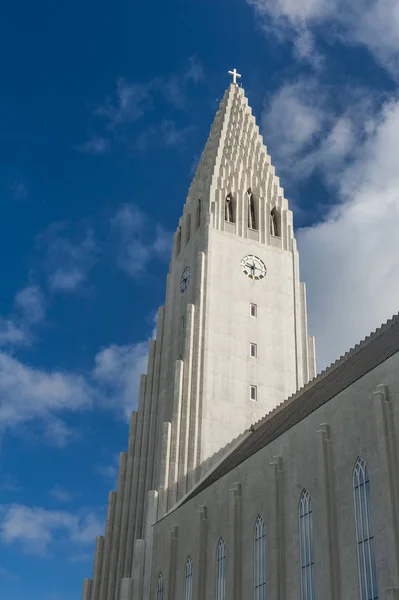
(138, 568)
(151, 519)
(126, 589)
(197, 373)
(164, 469)
(174, 451)
(186, 404)
(141, 492)
(116, 529)
(297, 317)
(171, 588)
(155, 416)
(388, 453)
(331, 587)
(98, 559)
(86, 589)
(107, 546)
(304, 334)
(234, 572)
(279, 528)
(127, 570)
(200, 579)
(126, 502)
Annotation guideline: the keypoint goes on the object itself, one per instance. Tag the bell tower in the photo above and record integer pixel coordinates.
(231, 340)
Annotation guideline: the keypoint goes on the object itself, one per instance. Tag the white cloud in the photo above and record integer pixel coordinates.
(31, 302)
(372, 23)
(12, 334)
(117, 371)
(135, 244)
(323, 127)
(39, 530)
(28, 394)
(350, 261)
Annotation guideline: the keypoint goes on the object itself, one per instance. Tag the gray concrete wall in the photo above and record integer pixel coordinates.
(355, 429)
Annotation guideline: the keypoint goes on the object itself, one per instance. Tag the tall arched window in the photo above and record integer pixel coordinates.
(229, 209)
(188, 579)
(252, 220)
(364, 534)
(221, 570)
(274, 229)
(198, 215)
(188, 228)
(306, 547)
(160, 587)
(259, 560)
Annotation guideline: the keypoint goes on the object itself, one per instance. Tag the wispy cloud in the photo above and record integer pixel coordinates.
(61, 494)
(131, 231)
(18, 189)
(118, 115)
(96, 145)
(70, 253)
(29, 394)
(371, 24)
(41, 531)
(29, 310)
(117, 372)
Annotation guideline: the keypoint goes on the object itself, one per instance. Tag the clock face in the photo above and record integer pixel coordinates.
(185, 279)
(253, 267)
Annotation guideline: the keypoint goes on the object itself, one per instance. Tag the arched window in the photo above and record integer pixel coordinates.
(198, 215)
(252, 220)
(274, 229)
(229, 209)
(188, 228)
(178, 241)
(188, 579)
(306, 547)
(221, 571)
(259, 560)
(364, 534)
(160, 587)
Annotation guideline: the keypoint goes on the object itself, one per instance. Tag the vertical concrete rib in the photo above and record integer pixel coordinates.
(126, 502)
(197, 370)
(174, 450)
(297, 316)
(107, 546)
(98, 557)
(153, 452)
(164, 469)
(141, 492)
(127, 570)
(86, 592)
(279, 527)
(116, 528)
(186, 403)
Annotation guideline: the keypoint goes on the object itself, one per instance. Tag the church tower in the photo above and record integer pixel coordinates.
(231, 343)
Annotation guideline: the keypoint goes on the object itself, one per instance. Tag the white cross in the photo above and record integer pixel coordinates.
(235, 75)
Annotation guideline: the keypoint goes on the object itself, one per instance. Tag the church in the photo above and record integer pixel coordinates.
(247, 476)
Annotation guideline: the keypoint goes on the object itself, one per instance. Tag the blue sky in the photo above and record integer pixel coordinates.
(104, 111)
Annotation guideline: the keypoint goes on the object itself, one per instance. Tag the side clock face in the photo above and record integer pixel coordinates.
(253, 267)
(185, 279)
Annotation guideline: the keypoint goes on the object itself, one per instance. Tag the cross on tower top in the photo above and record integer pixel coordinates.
(235, 75)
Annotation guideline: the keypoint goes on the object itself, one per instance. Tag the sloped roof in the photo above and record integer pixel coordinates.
(360, 360)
